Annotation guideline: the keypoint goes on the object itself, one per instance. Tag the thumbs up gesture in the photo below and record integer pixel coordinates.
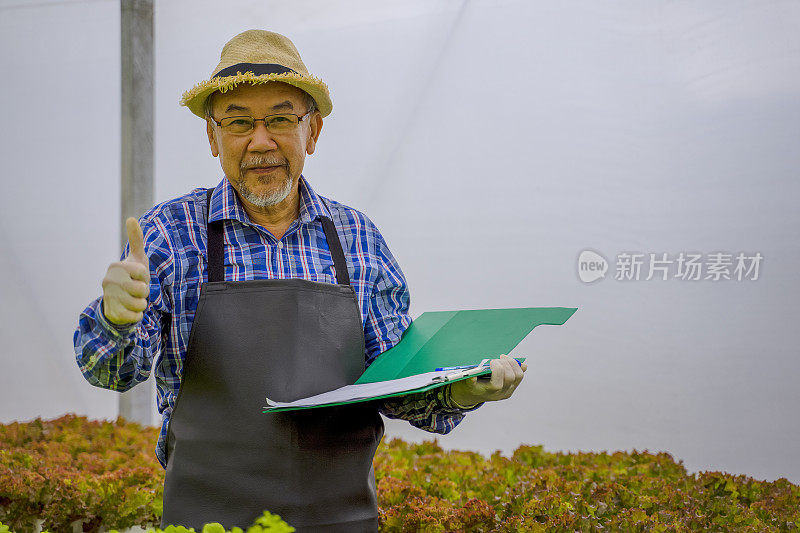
(127, 283)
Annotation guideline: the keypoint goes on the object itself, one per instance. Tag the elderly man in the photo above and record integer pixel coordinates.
(262, 287)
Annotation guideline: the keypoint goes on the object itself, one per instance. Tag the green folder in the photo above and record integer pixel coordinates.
(457, 338)
(440, 339)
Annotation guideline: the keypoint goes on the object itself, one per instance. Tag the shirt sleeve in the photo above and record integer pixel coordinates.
(387, 320)
(118, 357)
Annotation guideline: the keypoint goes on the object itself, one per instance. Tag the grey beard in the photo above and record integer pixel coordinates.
(269, 198)
(266, 199)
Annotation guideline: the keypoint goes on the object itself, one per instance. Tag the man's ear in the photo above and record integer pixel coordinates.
(315, 123)
(212, 139)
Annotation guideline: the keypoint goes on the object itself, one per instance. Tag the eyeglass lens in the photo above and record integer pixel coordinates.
(274, 123)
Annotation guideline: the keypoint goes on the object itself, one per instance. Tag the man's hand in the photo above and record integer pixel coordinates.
(127, 283)
(506, 376)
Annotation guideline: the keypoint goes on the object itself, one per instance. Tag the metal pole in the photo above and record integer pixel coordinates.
(137, 153)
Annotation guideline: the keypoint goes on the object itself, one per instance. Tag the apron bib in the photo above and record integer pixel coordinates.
(285, 339)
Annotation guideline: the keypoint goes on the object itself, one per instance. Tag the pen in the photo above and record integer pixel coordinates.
(465, 367)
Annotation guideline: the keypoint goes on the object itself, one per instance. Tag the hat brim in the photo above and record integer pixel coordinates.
(195, 98)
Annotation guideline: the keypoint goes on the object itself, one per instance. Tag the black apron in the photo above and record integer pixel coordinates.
(285, 339)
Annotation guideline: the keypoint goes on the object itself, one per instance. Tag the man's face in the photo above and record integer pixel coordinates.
(263, 167)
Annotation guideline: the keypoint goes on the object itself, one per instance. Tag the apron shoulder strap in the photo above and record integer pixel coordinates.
(216, 251)
(335, 245)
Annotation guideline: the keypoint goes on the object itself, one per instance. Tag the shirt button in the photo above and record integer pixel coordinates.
(280, 244)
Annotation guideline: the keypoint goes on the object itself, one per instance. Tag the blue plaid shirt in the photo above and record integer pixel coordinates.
(118, 358)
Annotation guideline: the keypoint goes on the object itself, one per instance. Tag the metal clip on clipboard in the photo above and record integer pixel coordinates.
(460, 374)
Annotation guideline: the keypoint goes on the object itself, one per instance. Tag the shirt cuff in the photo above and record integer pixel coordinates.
(117, 332)
(444, 399)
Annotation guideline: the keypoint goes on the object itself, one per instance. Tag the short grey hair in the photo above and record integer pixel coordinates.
(308, 100)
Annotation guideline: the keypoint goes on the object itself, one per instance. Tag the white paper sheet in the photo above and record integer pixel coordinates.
(364, 391)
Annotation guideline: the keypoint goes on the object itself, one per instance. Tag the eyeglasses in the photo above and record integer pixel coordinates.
(279, 123)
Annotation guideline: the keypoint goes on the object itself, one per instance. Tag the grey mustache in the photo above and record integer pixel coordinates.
(262, 163)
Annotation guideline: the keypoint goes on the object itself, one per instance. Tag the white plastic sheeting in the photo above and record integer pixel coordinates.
(492, 142)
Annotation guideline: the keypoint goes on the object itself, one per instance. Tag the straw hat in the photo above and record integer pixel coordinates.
(258, 56)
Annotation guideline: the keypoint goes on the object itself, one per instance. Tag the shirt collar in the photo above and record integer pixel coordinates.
(311, 204)
(225, 204)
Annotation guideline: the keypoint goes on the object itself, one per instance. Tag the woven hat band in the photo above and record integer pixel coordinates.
(256, 68)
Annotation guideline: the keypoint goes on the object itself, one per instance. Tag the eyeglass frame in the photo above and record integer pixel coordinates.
(264, 120)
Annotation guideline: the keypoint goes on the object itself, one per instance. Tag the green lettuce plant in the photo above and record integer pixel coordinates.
(266, 523)
(104, 475)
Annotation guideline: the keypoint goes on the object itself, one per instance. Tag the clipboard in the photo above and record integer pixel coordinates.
(437, 339)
